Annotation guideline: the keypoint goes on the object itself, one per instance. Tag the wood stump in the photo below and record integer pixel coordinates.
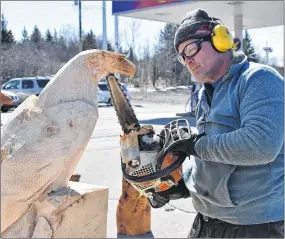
(133, 212)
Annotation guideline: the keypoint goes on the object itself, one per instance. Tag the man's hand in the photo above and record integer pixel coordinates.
(159, 199)
(188, 146)
(186, 143)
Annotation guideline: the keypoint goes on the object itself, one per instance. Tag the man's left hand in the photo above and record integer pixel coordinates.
(187, 145)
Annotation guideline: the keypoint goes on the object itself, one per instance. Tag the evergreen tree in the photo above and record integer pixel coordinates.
(6, 35)
(131, 56)
(25, 35)
(36, 36)
(109, 46)
(49, 37)
(61, 42)
(166, 38)
(55, 35)
(89, 41)
(122, 51)
(170, 68)
(248, 48)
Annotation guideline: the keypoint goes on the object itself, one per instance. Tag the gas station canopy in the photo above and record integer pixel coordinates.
(254, 14)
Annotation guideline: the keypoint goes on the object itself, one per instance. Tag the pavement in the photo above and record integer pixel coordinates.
(100, 165)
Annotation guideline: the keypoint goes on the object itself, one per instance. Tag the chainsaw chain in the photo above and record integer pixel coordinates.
(125, 127)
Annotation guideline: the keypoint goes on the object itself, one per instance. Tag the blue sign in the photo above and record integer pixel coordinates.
(126, 6)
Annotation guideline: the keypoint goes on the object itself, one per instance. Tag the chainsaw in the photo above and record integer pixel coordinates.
(146, 161)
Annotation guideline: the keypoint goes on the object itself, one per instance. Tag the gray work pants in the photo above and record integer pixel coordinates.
(203, 227)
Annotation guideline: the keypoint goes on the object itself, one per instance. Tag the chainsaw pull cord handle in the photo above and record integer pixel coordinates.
(152, 176)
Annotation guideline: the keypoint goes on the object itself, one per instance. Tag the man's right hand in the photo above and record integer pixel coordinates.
(159, 199)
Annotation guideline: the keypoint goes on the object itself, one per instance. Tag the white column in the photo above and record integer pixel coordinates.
(117, 41)
(238, 27)
(104, 25)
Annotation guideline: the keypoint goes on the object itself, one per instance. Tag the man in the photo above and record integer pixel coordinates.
(237, 179)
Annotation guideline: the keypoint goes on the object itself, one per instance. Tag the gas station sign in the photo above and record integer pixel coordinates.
(237, 44)
(125, 6)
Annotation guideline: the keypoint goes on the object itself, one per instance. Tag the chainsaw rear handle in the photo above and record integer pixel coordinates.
(156, 175)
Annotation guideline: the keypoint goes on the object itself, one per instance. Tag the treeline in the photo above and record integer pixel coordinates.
(45, 53)
(38, 53)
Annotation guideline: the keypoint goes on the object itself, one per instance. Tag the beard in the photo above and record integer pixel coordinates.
(203, 76)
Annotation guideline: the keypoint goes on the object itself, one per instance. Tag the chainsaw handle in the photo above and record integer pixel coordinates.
(172, 134)
(159, 174)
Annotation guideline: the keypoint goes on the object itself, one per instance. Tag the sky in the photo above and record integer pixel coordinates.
(62, 15)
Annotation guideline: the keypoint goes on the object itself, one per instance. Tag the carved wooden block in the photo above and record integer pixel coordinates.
(76, 212)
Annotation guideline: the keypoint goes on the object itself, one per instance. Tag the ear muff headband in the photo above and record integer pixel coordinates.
(221, 38)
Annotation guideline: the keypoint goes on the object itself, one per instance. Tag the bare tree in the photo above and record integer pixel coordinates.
(134, 31)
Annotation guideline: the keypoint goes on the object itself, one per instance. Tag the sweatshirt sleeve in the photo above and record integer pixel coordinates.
(261, 134)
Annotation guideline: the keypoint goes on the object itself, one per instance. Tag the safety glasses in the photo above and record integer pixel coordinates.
(190, 50)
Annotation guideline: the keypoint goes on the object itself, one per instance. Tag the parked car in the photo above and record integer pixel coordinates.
(104, 93)
(16, 101)
(126, 91)
(26, 85)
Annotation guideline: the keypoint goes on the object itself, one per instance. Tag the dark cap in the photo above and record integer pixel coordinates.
(191, 22)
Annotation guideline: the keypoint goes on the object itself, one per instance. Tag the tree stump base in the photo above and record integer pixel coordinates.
(133, 212)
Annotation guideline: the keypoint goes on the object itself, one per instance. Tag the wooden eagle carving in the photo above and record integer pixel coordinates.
(43, 140)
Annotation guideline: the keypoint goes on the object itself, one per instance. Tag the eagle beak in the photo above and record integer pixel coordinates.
(126, 67)
(121, 65)
(105, 62)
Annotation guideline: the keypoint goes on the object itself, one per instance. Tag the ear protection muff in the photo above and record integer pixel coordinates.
(221, 38)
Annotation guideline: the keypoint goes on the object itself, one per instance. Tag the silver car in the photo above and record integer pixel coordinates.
(104, 93)
(126, 91)
(26, 85)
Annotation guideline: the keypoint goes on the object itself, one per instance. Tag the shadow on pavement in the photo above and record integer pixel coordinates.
(147, 235)
(138, 106)
(104, 106)
(164, 121)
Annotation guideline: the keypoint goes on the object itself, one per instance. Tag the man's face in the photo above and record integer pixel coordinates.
(203, 64)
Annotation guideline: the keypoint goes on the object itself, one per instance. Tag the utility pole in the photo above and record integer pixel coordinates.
(104, 25)
(116, 45)
(0, 48)
(267, 50)
(80, 26)
(116, 24)
(78, 3)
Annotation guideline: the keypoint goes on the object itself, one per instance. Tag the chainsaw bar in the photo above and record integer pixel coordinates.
(125, 113)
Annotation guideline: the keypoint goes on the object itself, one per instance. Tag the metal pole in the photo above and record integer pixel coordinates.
(116, 45)
(238, 22)
(0, 49)
(104, 25)
(238, 26)
(267, 50)
(80, 27)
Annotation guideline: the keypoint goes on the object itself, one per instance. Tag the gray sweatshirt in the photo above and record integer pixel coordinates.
(239, 176)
